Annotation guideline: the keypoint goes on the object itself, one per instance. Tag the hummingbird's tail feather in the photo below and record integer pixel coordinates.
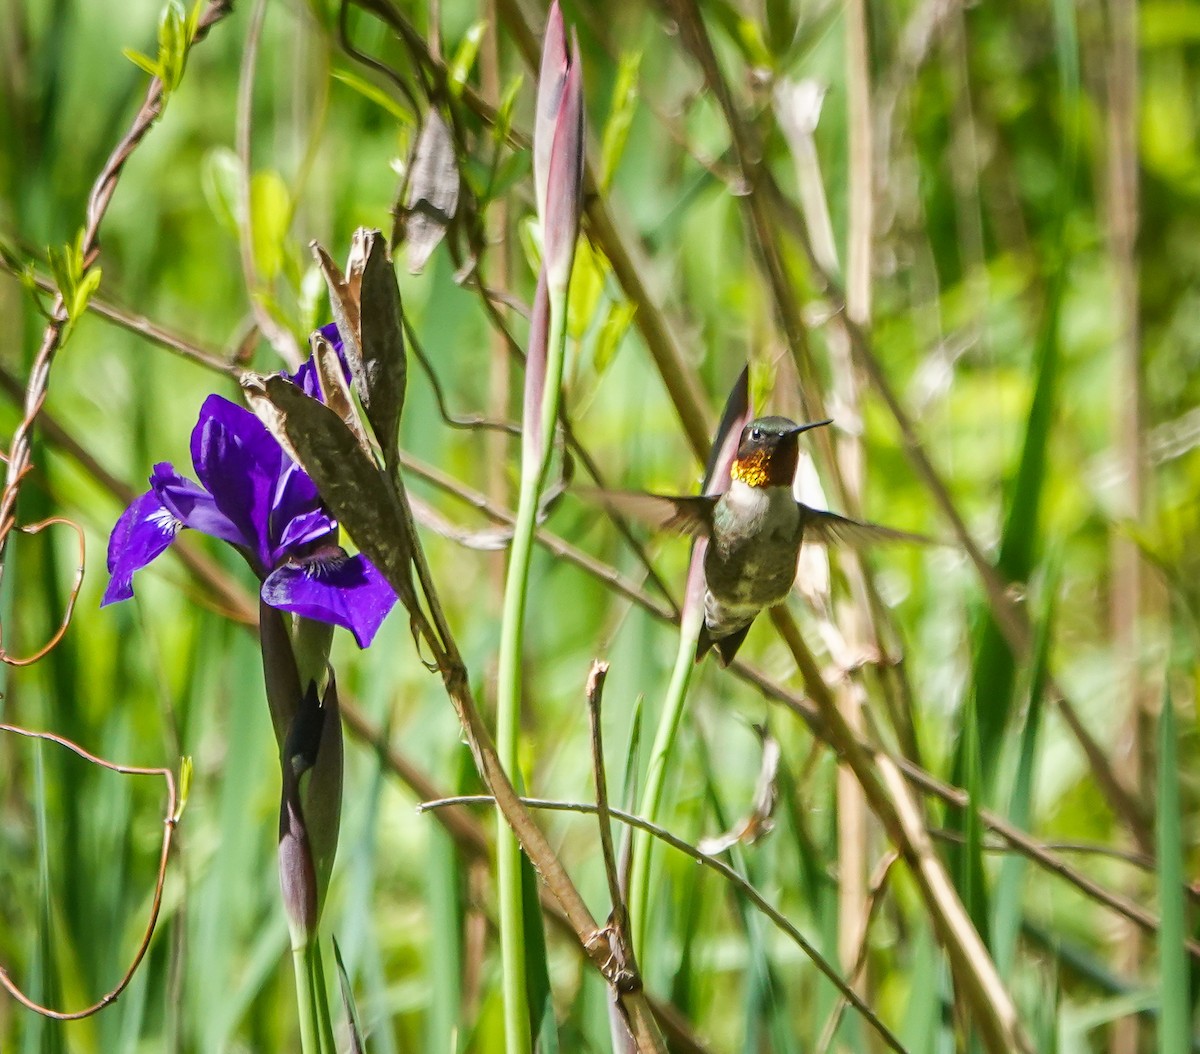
(727, 646)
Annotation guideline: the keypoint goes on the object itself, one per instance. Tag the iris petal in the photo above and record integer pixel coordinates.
(144, 530)
(347, 591)
(192, 505)
(297, 515)
(239, 463)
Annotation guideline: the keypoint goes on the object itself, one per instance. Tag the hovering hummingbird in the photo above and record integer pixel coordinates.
(754, 530)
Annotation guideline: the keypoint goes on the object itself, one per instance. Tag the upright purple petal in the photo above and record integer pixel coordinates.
(144, 530)
(332, 587)
(239, 463)
(298, 517)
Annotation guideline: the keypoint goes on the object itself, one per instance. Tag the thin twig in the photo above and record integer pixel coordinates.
(140, 325)
(169, 823)
(619, 917)
(875, 888)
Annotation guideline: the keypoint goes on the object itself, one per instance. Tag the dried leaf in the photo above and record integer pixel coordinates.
(757, 823)
(334, 389)
(349, 481)
(343, 302)
(433, 187)
(384, 365)
(490, 540)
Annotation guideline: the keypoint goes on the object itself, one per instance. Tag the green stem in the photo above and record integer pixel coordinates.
(309, 1023)
(316, 1025)
(320, 997)
(664, 740)
(508, 688)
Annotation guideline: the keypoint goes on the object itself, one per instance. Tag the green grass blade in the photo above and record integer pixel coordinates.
(1007, 914)
(1174, 1026)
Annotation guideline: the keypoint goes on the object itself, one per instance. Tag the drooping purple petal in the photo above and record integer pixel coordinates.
(144, 530)
(332, 587)
(239, 463)
(192, 505)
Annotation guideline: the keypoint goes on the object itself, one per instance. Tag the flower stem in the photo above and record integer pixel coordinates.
(651, 803)
(316, 1025)
(508, 705)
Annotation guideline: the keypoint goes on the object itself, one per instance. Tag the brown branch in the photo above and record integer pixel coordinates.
(169, 823)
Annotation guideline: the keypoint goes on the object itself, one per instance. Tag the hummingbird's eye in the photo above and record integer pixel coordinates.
(756, 434)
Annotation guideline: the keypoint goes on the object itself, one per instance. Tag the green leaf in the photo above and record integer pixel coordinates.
(612, 331)
(271, 212)
(588, 277)
(1174, 1024)
(143, 62)
(375, 94)
(1007, 914)
(186, 771)
(620, 116)
(464, 57)
(83, 293)
(220, 173)
(504, 112)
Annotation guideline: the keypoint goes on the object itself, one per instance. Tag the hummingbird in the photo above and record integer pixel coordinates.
(754, 529)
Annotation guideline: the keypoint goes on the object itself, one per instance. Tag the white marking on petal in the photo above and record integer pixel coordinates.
(164, 521)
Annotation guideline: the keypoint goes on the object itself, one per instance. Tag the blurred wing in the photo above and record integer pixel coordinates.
(687, 515)
(829, 528)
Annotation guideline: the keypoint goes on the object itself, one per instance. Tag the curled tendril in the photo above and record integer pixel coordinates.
(35, 528)
(169, 823)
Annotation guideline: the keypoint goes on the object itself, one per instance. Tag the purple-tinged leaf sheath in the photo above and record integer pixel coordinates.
(535, 373)
(551, 78)
(311, 806)
(280, 675)
(564, 190)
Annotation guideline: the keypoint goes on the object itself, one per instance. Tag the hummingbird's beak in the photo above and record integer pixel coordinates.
(813, 424)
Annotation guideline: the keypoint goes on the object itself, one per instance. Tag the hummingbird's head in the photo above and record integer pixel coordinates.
(768, 452)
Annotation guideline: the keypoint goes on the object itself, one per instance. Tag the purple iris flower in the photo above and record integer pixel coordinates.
(254, 496)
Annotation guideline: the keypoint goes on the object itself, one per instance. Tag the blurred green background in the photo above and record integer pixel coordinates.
(1035, 222)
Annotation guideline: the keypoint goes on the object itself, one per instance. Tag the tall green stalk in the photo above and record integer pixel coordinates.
(508, 708)
(316, 1027)
(664, 742)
